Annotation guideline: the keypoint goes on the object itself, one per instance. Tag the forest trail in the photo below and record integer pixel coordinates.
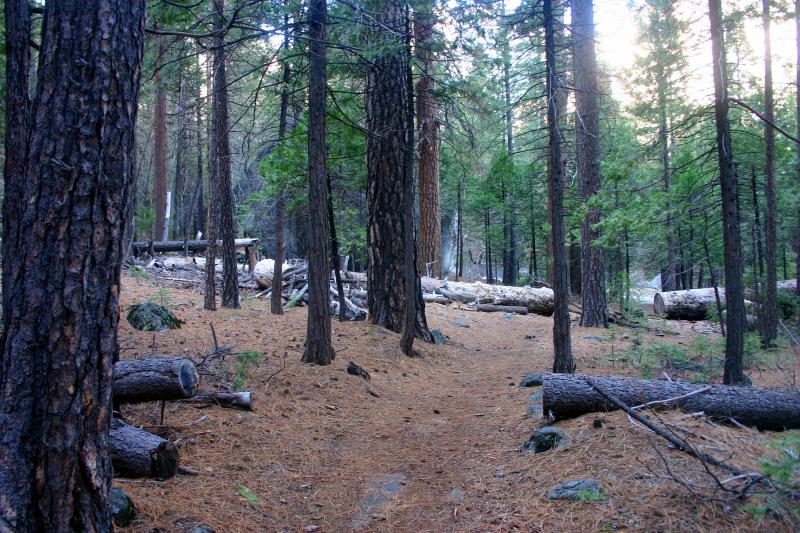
(430, 443)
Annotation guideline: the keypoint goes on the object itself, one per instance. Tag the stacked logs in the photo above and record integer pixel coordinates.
(134, 451)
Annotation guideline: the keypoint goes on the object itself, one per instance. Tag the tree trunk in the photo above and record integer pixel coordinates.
(154, 378)
(428, 124)
(760, 407)
(222, 151)
(758, 251)
(137, 453)
(563, 361)
(335, 262)
(797, 128)
(734, 290)
(210, 289)
(200, 222)
(318, 333)
(669, 283)
(181, 168)
(17, 119)
(276, 304)
(72, 163)
(160, 153)
(509, 238)
(768, 320)
(388, 146)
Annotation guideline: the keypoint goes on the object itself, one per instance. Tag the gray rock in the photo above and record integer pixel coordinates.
(457, 495)
(508, 316)
(460, 324)
(592, 338)
(438, 336)
(544, 439)
(202, 528)
(150, 316)
(534, 411)
(577, 489)
(531, 379)
(122, 508)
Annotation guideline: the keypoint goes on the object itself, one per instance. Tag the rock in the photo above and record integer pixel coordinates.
(122, 508)
(150, 316)
(543, 439)
(311, 528)
(508, 316)
(438, 336)
(578, 489)
(530, 337)
(457, 495)
(202, 528)
(531, 379)
(534, 411)
(499, 474)
(460, 324)
(592, 338)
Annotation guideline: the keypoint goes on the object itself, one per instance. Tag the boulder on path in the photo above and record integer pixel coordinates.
(122, 508)
(578, 489)
(150, 316)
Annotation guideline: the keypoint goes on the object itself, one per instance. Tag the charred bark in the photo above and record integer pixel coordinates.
(61, 295)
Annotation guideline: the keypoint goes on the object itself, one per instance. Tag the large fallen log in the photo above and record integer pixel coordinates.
(137, 453)
(195, 245)
(568, 396)
(239, 400)
(788, 285)
(536, 300)
(489, 308)
(154, 378)
(692, 304)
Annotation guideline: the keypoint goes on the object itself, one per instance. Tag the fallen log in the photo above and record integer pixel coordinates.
(237, 400)
(195, 245)
(435, 299)
(154, 378)
(137, 453)
(692, 304)
(788, 285)
(568, 396)
(489, 308)
(536, 300)
(463, 297)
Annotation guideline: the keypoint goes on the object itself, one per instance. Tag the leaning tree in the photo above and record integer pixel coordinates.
(67, 189)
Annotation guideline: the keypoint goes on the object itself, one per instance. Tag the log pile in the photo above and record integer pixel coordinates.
(788, 285)
(137, 453)
(569, 396)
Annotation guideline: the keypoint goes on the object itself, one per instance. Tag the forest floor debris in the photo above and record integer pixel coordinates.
(293, 462)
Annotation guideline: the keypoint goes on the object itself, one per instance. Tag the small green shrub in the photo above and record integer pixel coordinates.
(244, 362)
(784, 471)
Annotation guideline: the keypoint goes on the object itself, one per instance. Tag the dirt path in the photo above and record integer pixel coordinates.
(428, 444)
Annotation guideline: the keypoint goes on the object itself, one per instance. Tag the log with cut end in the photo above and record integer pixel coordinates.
(195, 245)
(692, 304)
(154, 378)
(568, 396)
(788, 285)
(137, 453)
(489, 308)
(240, 400)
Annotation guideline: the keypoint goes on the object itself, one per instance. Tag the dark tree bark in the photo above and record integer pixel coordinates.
(510, 267)
(768, 321)
(563, 361)
(137, 453)
(430, 229)
(335, 261)
(61, 297)
(160, 154)
(276, 303)
(222, 153)
(488, 246)
(180, 185)
(758, 251)
(388, 146)
(17, 116)
(154, 378)
(210, 289)
(199, 205)
(594, 311)
(734, 290)
(319, 349)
